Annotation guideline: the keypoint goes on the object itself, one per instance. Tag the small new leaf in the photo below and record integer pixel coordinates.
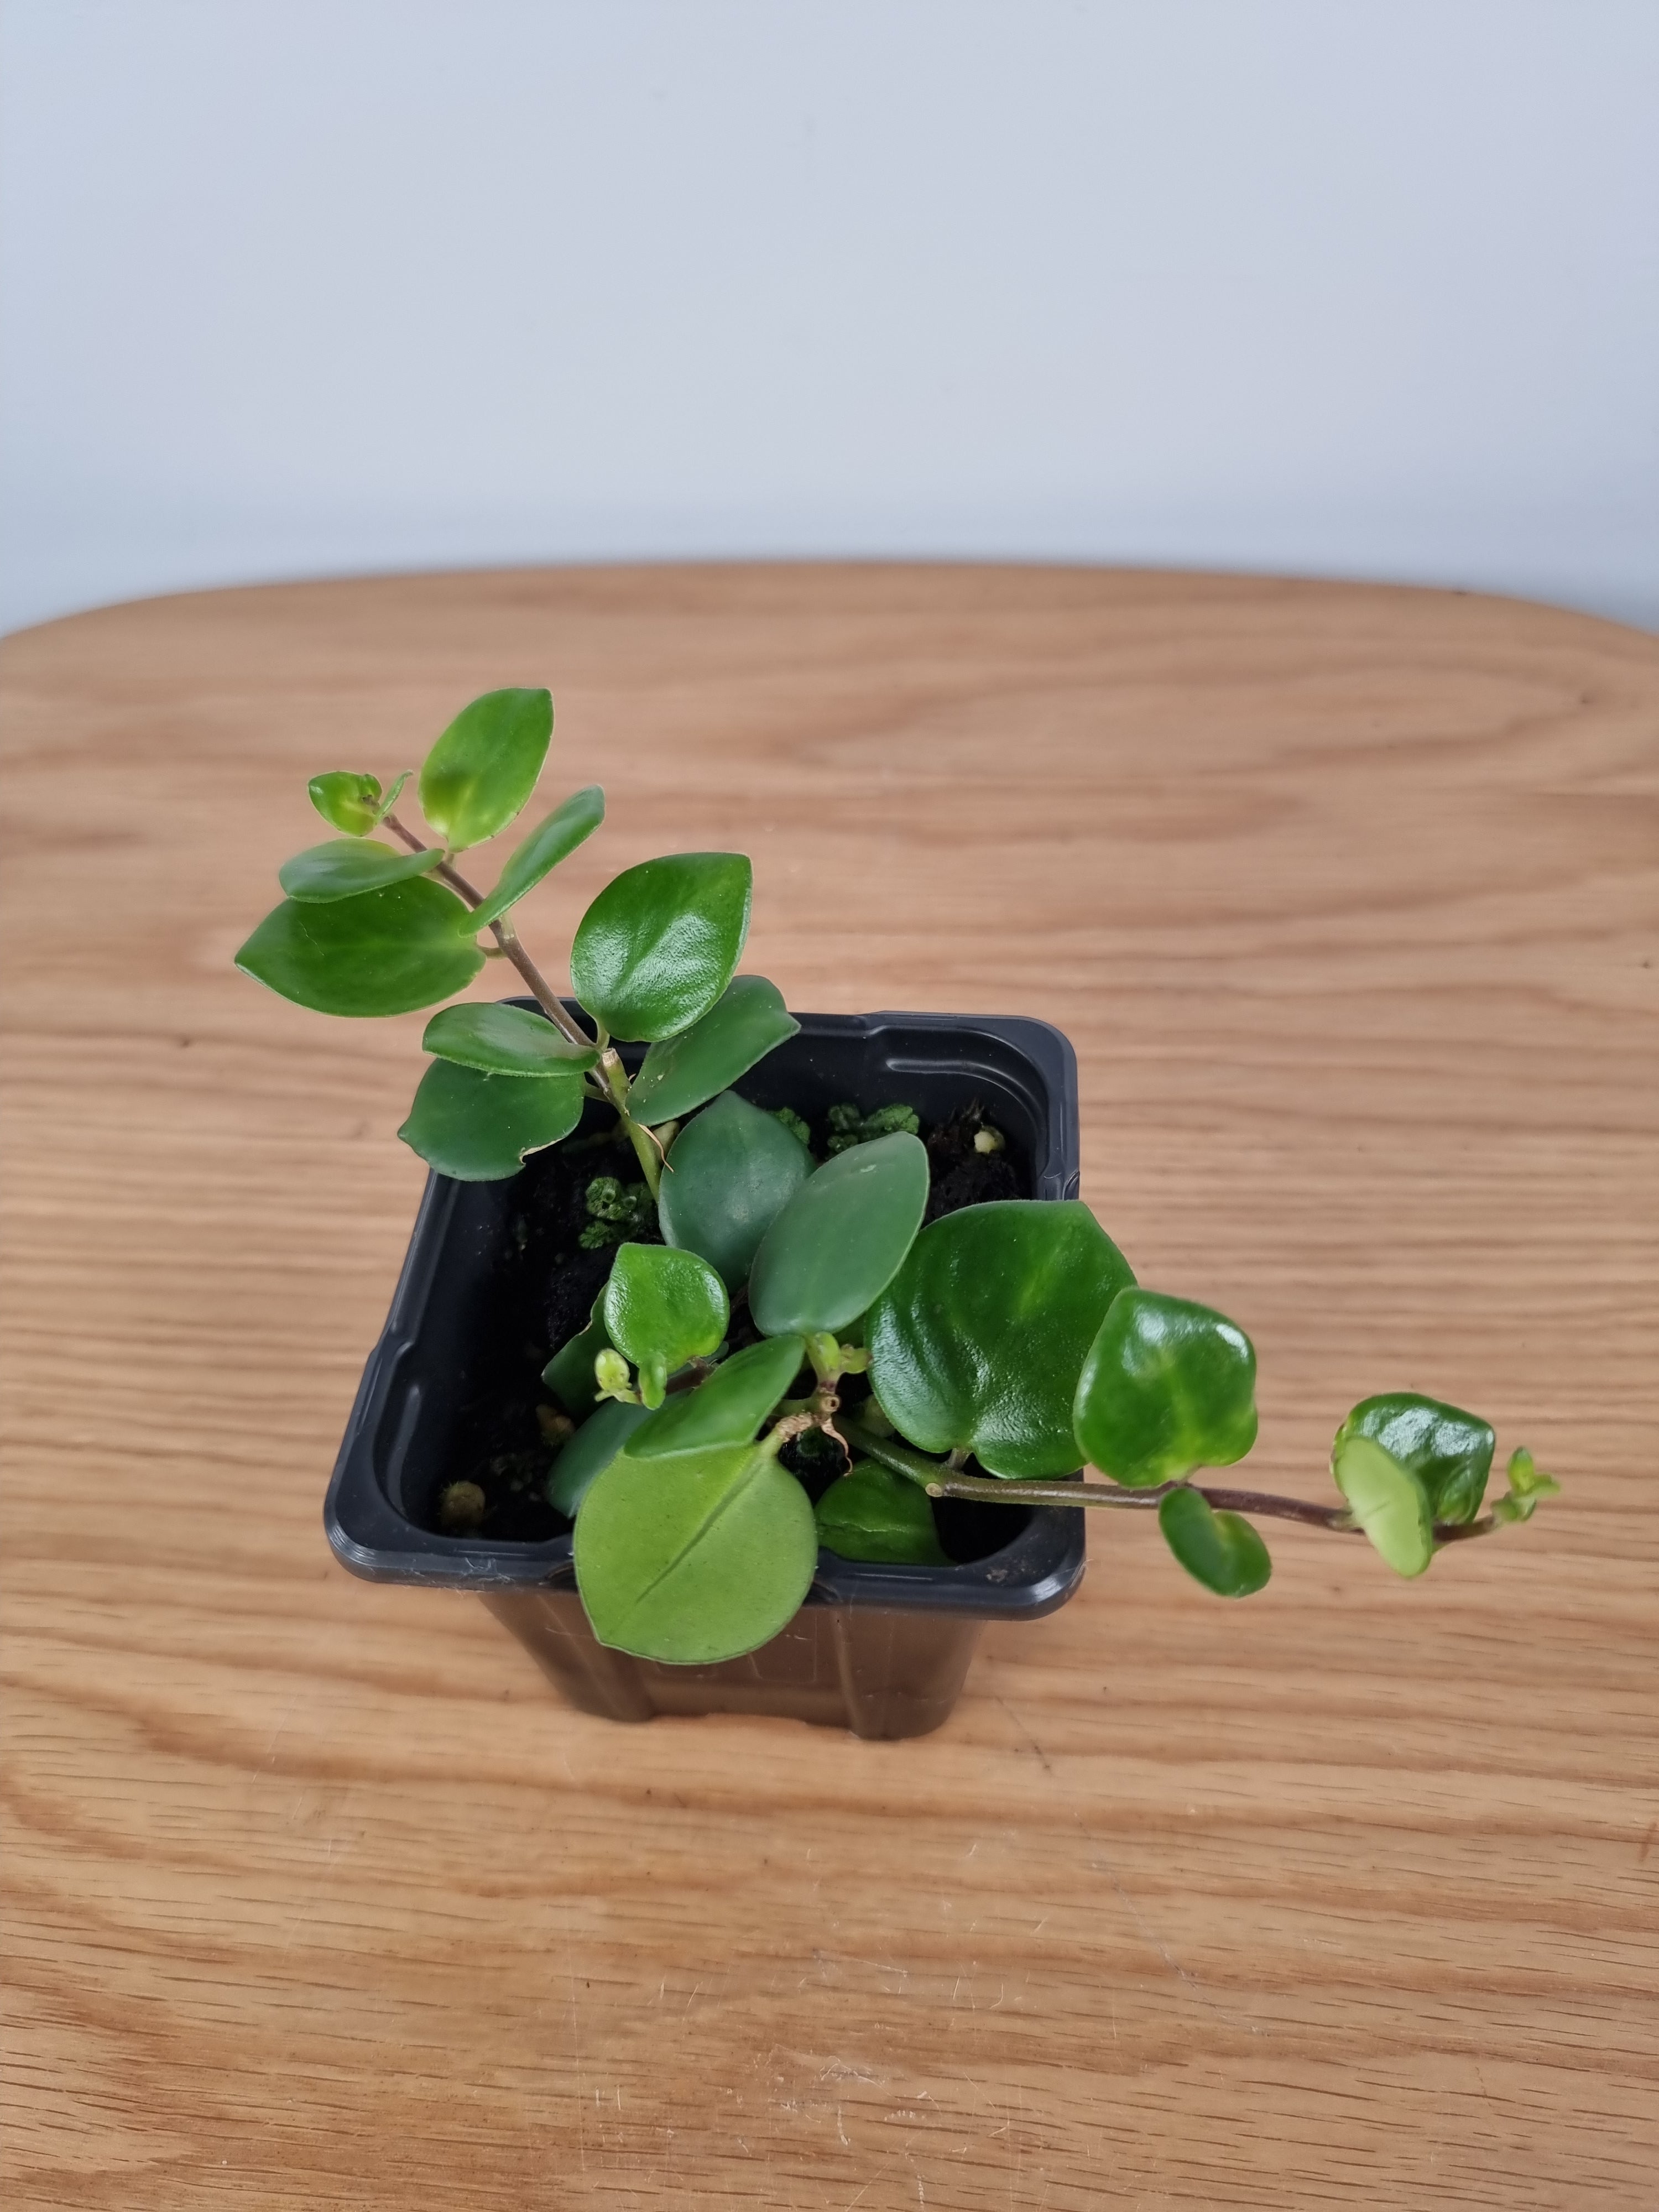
(478, 775)
(347, 802)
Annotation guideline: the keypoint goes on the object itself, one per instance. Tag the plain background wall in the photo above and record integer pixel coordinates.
(1350, 287)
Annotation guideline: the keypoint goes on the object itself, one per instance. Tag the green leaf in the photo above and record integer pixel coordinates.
(346, 867)
(729, 1407)
(346, 801)
(1388, 1501)
(1528, 1484)
(729, 1174)
(662, 1307)
(478, 1128)
(551, 841)
(841, 1238)
(685, 1072)
(1447, 1450)
(588, 1453)
(1220, 1550)
(872, 1514)
(385, 952)
(657, 947)
(694, 1558)
(384, 806)
(504, 1041)
(485, 765)
(570, 1373)
(978, 1344)
(1167, 1387)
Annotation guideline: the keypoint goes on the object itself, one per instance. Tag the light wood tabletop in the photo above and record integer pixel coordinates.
(1348, 1893)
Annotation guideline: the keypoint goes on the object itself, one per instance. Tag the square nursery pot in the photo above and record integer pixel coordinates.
(880, 1650)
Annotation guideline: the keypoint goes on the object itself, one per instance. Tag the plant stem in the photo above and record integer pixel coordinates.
(506, 939)
(939, 1480)
(614, 1076)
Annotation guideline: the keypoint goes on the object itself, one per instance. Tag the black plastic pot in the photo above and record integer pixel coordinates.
(880, 1650)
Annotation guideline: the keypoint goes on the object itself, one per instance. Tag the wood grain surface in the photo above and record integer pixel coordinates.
(1346, 1895)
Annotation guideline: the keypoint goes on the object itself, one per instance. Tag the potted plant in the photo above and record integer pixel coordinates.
(751, 1361)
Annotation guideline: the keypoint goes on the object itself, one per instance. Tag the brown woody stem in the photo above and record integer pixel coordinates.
(506, 936)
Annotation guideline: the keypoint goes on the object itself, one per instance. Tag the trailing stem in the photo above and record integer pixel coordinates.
(939, 1480)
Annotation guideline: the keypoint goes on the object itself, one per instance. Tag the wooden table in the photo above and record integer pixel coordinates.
(1347, 1894)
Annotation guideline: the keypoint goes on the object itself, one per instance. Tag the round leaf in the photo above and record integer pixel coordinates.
(504, 1041)
(346, 867)
(485, 765)
(1447, 1450)
(385, 952)
(346, 801)
(478, 1128)
(1386, 1500)
(551, 841)
(874, 1514)
(729, 1174)
(978, 1344)
(729, 1407)
(589, 1452)
(1220, 1550)
(1166, 1387)
(841, 1238)
(657, 947)
(694, 1558)
(662, 1307)
(684, 1071)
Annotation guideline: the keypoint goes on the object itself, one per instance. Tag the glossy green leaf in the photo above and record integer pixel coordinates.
(589, 1452)
(346, 867)
(1167, 1387)
(1388, 1501)
(662, 1307)
(657, 947)
(685, 1072)
(1220, 1550)
(479, 1127)
(841, 1238)
(504, 1041)
(570, 1373)
(729, 1407)
(697, 1557)
(1447, 1450)
(979, 1342)
(729, 1174)
(551, 841)
(346, 801)
(385, 952)
(873, 1514)
(484, 767)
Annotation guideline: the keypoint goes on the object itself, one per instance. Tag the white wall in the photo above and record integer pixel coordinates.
(1356, 287)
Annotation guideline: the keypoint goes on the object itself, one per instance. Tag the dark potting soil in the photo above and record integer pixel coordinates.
(552, 1269)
